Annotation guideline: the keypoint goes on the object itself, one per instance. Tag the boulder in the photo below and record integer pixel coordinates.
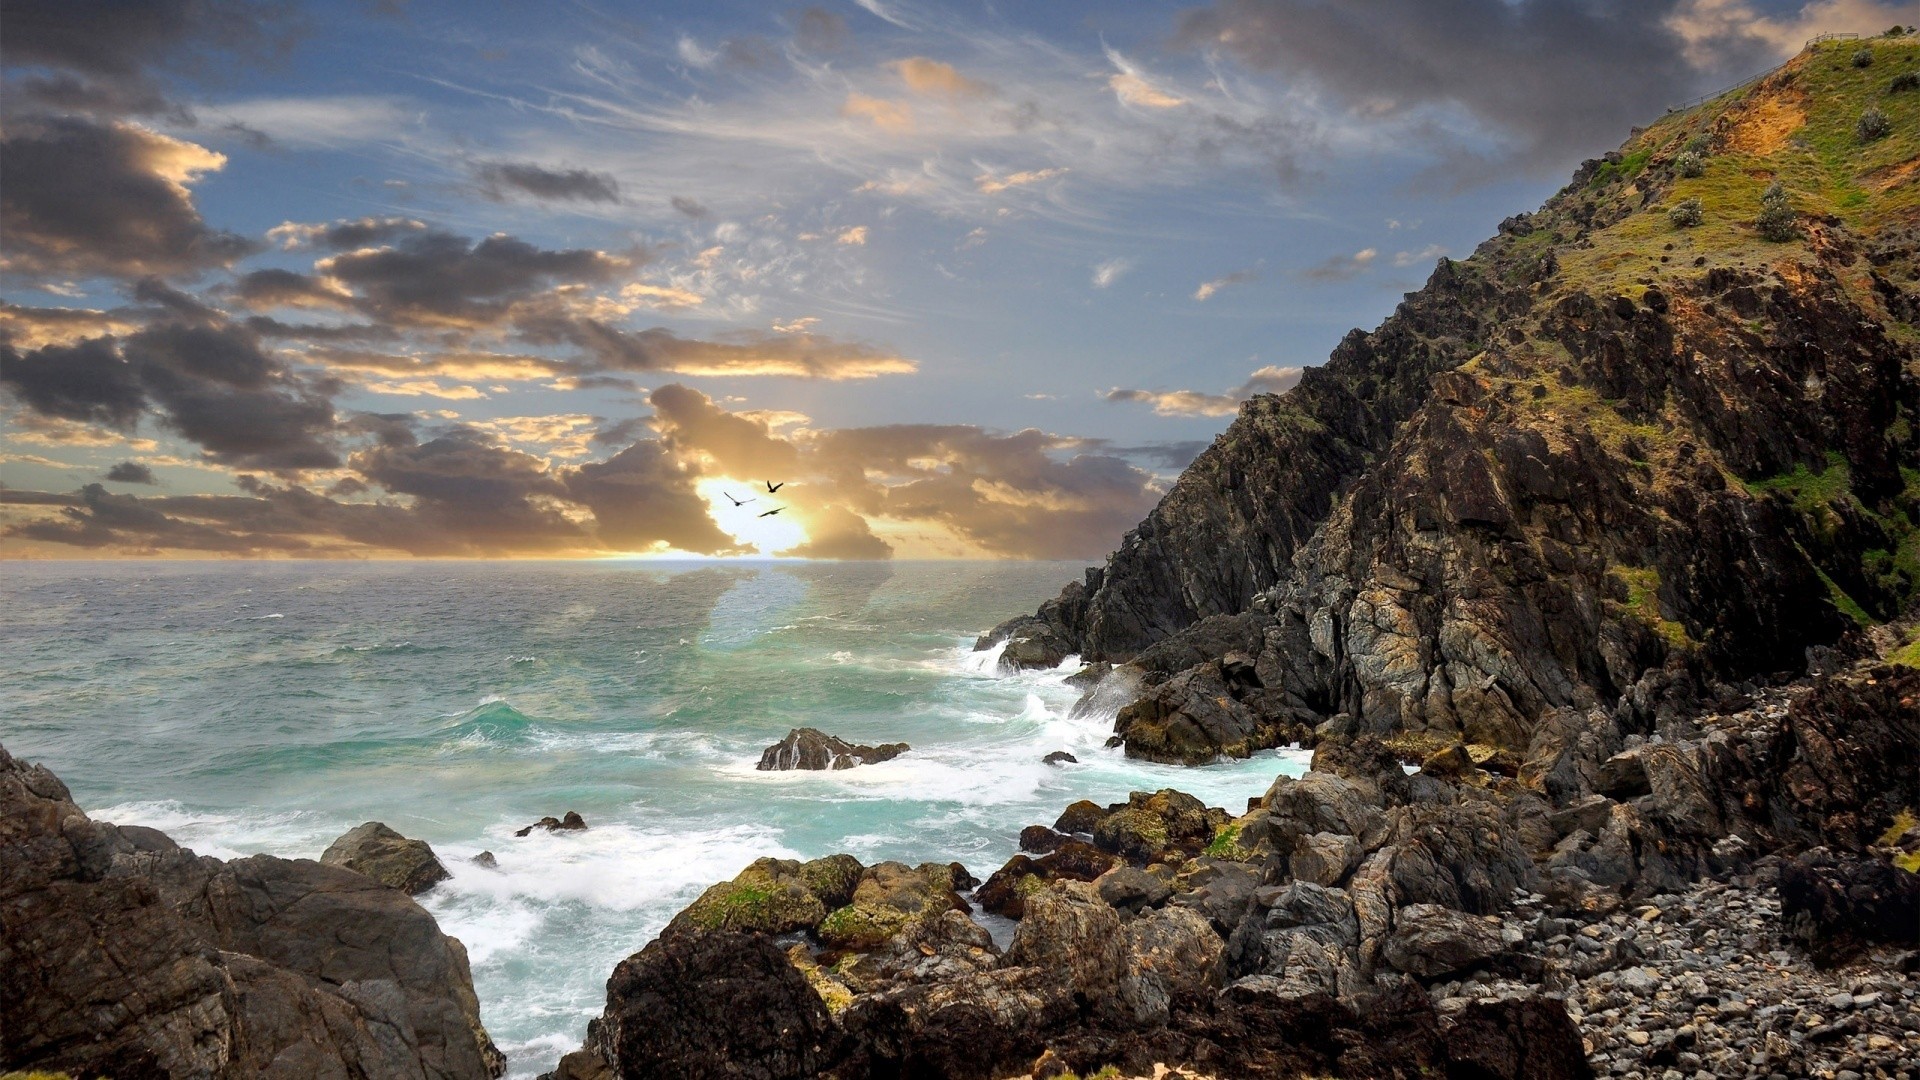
(1172, 956)
(1150, 824)
(1080, 818)
(1429, 941)
(1006, 891)
(1838, 905)
(713, 1003)
(126, 955)
(1039, 839)
(889, 898)
(1060, 757)
(385, 856)
(1193, 718)
(1132, 891)
(810, 748)
(771, 896)
(1031, 643)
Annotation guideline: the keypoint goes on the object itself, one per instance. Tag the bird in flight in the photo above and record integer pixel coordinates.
(773, 511)
(736, 502)
(773, 487)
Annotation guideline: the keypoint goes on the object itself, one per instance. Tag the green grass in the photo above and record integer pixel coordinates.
(1226, 843)
(1629, 166)
(1643, 603)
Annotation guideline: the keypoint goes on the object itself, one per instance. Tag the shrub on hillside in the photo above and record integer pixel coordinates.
(1689, 165)
(1873, 124)
(1686, 214)
(1778, 221)
(1906, 80)
(1863, 57)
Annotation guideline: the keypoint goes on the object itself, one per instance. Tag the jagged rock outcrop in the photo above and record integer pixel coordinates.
(571, 822)
(385, 856)
(1600, 464)
(810, 748)
(127, 955)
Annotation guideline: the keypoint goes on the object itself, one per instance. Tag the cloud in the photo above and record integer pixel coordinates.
(316, 123)
(855, 236)
(1418, 258)
(1267, 380)
(935, 78)
(839, 533)
(1340, 267)
(689, 207)
(1553, 80)
(501, 178)
(1108, 272)
(1239, 277)
(130, 472)
(1134, 88)
(989, 184)
(205, 378)
(442, 280)
(105, 54)
(741, 353)
(641, 498)
(893, 117)
(83, 198)
(265, 290)
(343, 235)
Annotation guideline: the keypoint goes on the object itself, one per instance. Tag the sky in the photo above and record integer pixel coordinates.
(505, 278)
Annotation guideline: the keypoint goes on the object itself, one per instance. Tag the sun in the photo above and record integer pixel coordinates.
(766, 535)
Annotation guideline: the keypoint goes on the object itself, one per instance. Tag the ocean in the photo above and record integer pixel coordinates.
(269, 707)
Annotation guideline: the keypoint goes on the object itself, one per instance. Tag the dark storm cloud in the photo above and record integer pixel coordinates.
(87, 382)
(499, 179)
(264, 290)
(215, 386)
(439, 279)
(130, 472)
(79, 198)
(488, 496)
(123, 39)
(204, 377)
(103, 56)
(642, 496)
(1558, 78)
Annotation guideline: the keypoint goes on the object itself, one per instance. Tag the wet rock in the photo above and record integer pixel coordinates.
(486, 861)
(713, 1003)
(1193, 718)
(1089, 676)
(1039, 839)
(1060, 757)
(1152, 823)
(1080, 818)
(572, 822)
(1031, 644)
(385, 856)
(810, 748)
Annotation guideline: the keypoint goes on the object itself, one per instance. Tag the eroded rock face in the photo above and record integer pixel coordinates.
(1837, 906)
(810, 748)
(258, 967)
(385, 856)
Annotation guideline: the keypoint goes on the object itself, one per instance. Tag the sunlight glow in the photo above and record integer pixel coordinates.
(744, 523)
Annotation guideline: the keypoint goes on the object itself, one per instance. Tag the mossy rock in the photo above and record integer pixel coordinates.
(862, 926)
(767, 897)
(1081, 817)
(1226, 844)
(1133, 833)
(832, 879)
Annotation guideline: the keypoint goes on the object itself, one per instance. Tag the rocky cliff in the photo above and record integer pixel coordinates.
(124, 955)
(1610, 459)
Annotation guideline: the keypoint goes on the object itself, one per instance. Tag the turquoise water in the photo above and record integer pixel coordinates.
(269, 707)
